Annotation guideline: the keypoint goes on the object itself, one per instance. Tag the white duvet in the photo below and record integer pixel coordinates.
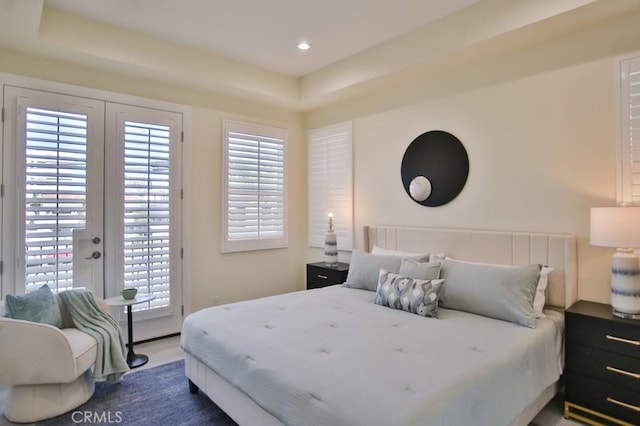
(332, 357)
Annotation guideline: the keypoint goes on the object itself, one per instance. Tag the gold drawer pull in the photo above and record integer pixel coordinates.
(623, 404)
(324, 277)
(620, 339)
(626, 373)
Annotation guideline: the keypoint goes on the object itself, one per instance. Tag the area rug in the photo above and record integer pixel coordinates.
(156, 396)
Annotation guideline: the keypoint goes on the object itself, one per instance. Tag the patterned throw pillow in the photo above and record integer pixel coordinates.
(411, 295)
(40, 305)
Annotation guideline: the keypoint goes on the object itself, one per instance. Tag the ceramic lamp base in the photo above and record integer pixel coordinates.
(330, 249)
(625, 284)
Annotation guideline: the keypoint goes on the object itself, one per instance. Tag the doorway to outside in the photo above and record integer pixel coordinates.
(93, 199)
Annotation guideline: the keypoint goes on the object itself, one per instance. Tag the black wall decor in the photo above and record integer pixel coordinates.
(434, 168)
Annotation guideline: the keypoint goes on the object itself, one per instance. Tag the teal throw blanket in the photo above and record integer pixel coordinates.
(88, 317)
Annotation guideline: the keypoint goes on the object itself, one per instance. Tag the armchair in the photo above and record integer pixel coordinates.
(48, 369)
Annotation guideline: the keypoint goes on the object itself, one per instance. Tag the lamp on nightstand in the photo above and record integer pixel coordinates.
(619, 227)
(330, 245)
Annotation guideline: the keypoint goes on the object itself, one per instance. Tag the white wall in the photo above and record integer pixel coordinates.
(239, 276)
(230, 277)
(538, 124)
(541, 152)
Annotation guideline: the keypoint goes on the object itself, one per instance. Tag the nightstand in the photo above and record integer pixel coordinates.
(602, 366)
(321, 275)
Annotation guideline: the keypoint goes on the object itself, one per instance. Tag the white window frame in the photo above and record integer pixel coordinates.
(330, 184)
(229, 244)
(628, 86)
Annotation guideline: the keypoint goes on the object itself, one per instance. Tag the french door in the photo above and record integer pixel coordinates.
(92, 199)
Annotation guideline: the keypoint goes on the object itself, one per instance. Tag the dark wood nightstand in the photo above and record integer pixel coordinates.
(602, 366)
(321, 275)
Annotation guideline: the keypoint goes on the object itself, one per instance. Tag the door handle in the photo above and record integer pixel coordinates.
(95, 255)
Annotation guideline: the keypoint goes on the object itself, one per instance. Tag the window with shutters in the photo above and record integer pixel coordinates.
(55, 195)
(254, 187)
(144, 194)
(629, 130)
(147, 209)
(93, 199)
(330, 184)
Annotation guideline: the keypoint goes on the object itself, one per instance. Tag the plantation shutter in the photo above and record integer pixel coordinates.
(55, 195)
(330, 184)
(629, 149)
(254, 187)
(147, 209)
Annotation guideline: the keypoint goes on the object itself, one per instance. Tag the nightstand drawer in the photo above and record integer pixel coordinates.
(606, 366)
(607, 335)
(321, 275)
(315, 280)
(617, 401)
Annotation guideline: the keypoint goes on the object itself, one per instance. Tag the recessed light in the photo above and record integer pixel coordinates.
(303, 45)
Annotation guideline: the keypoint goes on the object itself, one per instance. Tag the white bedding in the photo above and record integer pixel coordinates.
(332, 357)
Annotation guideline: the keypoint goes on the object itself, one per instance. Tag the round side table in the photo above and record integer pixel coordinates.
(133, 360)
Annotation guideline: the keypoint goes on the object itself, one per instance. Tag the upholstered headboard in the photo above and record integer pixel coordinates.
(557, 251)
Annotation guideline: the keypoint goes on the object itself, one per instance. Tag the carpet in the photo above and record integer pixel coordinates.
(157, 396)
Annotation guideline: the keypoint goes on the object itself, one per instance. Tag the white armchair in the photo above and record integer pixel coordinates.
(48, 369)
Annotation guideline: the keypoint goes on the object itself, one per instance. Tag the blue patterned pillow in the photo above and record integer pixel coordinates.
(411, 295)
(40, 305)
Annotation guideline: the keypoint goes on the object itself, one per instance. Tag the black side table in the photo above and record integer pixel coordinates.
(319, 274)
(602, 366)
(133, 360)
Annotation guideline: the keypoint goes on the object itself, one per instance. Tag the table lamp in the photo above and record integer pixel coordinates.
(330, 245)
(619, 227)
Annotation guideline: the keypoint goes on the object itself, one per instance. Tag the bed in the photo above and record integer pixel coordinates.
(331, 356)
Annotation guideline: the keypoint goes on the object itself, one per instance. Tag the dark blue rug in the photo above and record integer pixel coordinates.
(157, 396)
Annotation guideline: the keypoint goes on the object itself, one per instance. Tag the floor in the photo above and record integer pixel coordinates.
(159, 351)
(168, 350)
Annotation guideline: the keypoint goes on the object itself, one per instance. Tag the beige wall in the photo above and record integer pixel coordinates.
(538, 124)
(239, 276)
(230, 277)
(541, 152)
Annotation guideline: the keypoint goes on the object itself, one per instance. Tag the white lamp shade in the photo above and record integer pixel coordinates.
(615, 227)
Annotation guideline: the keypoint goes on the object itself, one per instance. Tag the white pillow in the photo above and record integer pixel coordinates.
(540, 298)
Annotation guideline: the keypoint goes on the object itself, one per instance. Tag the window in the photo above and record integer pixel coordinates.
(254, 190)
(55, 195)
(629, 129)
(92, 197)
(330, 184)
(144, 182)
(147, 210)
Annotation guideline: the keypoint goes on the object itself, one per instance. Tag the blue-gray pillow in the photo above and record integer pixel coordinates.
(40, 305)
(365, 267)
(420, 270)
(416, 296)
(492, 291)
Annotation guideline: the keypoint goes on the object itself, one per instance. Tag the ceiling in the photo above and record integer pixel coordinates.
(266, 33)
(246, 49)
